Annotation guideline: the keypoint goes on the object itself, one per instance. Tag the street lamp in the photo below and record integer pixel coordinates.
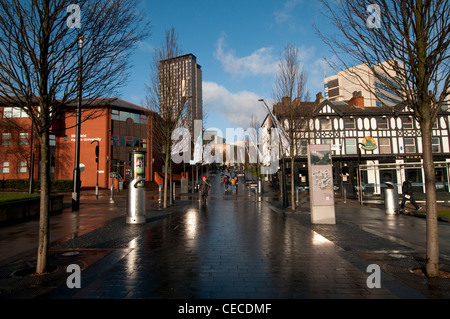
(76, 171)
(360, 197)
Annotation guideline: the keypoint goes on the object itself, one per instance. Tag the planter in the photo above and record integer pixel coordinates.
(20, 210)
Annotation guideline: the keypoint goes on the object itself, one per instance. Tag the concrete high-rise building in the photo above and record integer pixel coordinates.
(376, 90)
(180, 80)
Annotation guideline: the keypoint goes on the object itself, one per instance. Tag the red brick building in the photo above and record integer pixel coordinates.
(117, 125)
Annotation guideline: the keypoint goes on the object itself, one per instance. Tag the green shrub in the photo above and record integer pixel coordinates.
(23, 184)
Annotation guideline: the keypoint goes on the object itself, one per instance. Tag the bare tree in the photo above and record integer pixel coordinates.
(410, 37)
(39, 66)
(164, 98)
(290, 88)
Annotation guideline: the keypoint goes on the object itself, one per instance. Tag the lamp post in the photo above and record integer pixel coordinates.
(76, 171)
(360, 197)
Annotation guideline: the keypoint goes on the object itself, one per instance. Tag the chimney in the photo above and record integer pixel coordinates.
(319, 98)
(357, 100)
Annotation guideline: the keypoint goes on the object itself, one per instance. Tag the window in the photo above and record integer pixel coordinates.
(350, 146)
(435, 124)
(115, 115)
(325, 124)
(329, 141)
(52, 140)
(4, 168)
(8, 112)
(144, 142)
(23, 168)
(384, 145)
(6, 138)
(349, 124)
(303, 147)
(407, 123)
(436, 144)
(409, 144)
(23, 139)
(14, 112)
(129, 140)
(382, 123)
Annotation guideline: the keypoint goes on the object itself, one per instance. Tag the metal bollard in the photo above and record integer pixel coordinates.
(111, 197)
(160, 195)
(136, 203)
(391, 198)
(345, 193)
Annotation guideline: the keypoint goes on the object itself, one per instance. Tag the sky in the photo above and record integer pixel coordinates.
(238, 45)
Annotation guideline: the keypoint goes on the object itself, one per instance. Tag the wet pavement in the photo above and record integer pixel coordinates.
(235, 247)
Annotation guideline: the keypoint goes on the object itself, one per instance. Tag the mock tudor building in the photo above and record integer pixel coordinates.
(117, 125)
(370, 136)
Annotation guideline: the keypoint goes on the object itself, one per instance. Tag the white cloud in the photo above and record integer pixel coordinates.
(236, 108)
(259, 62)
(285, 14)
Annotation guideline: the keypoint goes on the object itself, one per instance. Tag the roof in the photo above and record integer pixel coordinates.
(114, 103)
(340, 108)
(117, 104)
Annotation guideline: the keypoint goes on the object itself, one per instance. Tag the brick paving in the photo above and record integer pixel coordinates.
(234, 248)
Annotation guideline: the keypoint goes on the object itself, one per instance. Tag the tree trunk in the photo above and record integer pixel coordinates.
(292, 184)
(430, 189)
(44, 229)
(166, 173)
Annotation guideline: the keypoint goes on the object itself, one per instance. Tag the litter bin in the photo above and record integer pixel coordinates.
(136, 202)
(391, 198)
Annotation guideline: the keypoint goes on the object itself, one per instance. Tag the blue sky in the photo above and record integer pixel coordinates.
(238, 44)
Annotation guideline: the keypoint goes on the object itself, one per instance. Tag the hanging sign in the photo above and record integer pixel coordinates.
(369, 143)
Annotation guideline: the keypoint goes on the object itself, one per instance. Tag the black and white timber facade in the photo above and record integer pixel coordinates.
(375, 136)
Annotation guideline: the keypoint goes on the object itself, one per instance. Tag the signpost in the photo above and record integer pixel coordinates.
(321, 184)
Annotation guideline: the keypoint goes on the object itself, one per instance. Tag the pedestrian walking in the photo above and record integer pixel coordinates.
(408, 195)
(204, 188)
